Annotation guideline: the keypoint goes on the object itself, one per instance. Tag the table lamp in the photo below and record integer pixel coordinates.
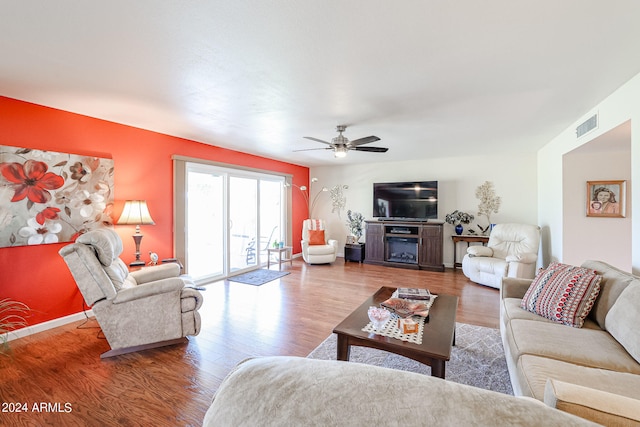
(136, 212)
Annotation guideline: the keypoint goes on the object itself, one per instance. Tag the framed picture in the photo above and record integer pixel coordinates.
(606, 198)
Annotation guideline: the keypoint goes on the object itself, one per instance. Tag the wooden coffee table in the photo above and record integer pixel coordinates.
(437, 339)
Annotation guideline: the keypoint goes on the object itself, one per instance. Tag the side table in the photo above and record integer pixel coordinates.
(354, 252)
(469, 238)
(284, 255)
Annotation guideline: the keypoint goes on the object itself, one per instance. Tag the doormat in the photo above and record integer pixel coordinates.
(258, 277)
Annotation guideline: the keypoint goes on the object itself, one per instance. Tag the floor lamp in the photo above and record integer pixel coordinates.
(136, 213)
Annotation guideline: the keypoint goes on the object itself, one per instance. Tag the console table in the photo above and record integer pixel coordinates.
(469, 238)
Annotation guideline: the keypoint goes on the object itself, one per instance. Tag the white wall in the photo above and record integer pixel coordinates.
(606, 239)
(514, 178)
(621, 106)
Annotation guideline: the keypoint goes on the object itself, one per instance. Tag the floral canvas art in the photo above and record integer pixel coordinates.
(49, 197)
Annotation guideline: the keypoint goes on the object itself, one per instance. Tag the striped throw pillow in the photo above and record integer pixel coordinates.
(563, 293)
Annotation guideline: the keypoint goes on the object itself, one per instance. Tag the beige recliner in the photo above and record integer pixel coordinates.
(512, 251)
(316, 251)
(144, 309)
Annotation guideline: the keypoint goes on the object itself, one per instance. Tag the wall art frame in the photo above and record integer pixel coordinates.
(606, 199)
(50, 197)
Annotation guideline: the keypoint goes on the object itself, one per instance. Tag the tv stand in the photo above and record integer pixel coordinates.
(415, 244)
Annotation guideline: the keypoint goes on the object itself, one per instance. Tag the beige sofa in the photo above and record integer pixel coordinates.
(294, 391)
(593, 371)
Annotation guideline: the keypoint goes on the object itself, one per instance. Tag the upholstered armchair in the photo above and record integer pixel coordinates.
(148, 308)
(317, 248)
(512, 251)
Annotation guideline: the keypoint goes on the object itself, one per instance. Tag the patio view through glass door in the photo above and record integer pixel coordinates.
(232, 218)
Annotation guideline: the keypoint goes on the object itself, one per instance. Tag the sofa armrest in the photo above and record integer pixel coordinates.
(157, 272)
(163, 286)
(333, 243)
(513, 287)
(525, 258)
(595, 405)
(478, 250)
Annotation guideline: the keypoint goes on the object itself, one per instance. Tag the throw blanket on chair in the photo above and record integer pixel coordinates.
(316, 224)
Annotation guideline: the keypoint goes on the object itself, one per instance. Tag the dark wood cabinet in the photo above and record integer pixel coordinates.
(375, 242)
(431, 247)
(410, 244)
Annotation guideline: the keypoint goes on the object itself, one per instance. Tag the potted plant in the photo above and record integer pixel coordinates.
(458, 218)
(354, 222)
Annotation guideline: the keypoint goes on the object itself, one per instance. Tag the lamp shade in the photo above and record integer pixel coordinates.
(135, 212)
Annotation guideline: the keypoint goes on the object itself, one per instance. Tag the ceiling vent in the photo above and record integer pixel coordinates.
(587, 126)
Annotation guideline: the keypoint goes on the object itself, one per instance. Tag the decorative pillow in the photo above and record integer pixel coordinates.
(623, 318)
(563, 293)
(316, 237)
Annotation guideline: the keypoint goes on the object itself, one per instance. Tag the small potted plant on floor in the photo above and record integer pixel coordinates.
(458, 218)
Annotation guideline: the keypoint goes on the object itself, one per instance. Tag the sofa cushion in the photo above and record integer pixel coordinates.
(613, 282)
(602, 407)
(624, 317)
(281, 390)
(587, 347)
(316, 237)
(563, 293)
(534, 371)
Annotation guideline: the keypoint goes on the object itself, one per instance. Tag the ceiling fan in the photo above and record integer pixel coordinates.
(340, 144)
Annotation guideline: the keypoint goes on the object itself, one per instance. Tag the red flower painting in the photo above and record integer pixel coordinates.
(49, 197)
(31, 180)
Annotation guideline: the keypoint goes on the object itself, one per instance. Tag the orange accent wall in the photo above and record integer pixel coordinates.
(37, 275)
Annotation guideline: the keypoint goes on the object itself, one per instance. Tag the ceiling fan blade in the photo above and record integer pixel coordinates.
(365, 140)
(313, 149)
(372, 149)
(316, 139)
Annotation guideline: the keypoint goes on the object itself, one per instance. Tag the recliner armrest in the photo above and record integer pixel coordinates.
(157, 272)
(333, 243)
(525, 258)
(595, 405)
(479, 251)
(149, 289)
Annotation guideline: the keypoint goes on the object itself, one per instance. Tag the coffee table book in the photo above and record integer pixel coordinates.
(414, 293)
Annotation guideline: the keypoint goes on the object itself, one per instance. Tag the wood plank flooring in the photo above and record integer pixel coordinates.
(173, 386)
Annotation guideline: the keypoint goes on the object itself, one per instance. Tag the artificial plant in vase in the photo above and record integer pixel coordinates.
(489, 203)
(458, 218)
(354, 223)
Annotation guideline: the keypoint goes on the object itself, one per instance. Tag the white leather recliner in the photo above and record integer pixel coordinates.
(512, 251)
(315, 251)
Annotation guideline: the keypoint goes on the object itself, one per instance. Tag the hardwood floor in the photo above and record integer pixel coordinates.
(173, 386)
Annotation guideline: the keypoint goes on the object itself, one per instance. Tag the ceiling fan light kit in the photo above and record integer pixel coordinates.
(341, 145)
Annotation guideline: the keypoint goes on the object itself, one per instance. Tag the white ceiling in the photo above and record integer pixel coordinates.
(430, 78)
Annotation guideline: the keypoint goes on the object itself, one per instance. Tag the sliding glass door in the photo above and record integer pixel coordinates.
(205, 222)
(243, 222)
(231, 218)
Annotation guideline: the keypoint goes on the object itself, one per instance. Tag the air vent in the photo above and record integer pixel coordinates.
(590, 124)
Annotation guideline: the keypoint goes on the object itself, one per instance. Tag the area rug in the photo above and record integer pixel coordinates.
(477, 359)
(258, 277)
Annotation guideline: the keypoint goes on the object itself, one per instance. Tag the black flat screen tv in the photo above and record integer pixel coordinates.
(405, 200)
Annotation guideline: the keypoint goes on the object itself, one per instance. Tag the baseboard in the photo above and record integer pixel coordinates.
(45, 326)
